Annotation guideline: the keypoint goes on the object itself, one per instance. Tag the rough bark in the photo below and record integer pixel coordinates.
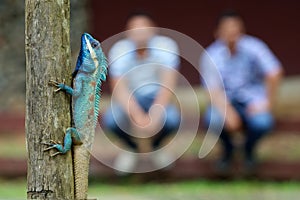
(47, 39)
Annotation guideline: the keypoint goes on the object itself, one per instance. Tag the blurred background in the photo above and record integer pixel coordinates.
(274, 21)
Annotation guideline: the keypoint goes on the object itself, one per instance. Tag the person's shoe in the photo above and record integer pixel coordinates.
(223, 166)
(163, 160)
(125, 163)
(250, 165)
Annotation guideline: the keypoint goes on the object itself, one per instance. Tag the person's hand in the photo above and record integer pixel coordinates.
(139, 122)
(232, 120)
(258, 107)
(139, 118)
(148, 124)
(156, 114)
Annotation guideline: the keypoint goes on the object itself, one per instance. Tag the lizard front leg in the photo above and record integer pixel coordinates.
(61, 86)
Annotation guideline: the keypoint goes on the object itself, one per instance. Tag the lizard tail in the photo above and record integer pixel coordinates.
(81, 171)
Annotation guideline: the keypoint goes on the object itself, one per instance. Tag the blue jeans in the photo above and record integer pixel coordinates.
(118, 122)
(255, 126)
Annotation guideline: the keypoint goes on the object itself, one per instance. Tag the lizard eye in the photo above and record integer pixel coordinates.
(95, 44)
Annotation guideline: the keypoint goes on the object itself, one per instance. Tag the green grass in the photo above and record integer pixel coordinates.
(191, 190)
(198, 190)
(13, 189)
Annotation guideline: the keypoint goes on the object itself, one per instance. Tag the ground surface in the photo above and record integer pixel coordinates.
(195, 190)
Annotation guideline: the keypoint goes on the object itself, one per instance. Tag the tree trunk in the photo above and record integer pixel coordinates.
(47, 38)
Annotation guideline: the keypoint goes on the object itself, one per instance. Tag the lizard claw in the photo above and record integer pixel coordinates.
(57, 84)
(54, 142)
(57, 90)
(53, 83)
(55, 154)
(51, 146)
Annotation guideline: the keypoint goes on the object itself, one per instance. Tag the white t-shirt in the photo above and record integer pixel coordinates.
(143, 75)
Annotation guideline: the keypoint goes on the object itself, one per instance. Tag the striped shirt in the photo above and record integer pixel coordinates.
(242, 73)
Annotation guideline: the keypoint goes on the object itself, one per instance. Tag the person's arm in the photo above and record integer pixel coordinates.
(122, 94)
(272, 83)
(170, 61)
(119, 56)
(232, 121)
(272, 71)
(169, 79)
(163, 98)
(213, 84)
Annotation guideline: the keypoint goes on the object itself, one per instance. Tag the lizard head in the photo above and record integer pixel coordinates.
(90, 56)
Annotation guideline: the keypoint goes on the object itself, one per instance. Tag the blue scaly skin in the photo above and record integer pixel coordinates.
(90, 71)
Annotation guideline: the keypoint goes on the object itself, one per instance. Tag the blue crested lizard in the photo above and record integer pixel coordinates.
(90, 71)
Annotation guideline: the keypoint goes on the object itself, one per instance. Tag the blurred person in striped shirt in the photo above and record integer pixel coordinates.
(249, 74)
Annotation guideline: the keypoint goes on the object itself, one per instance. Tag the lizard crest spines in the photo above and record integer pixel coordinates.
(102, 71)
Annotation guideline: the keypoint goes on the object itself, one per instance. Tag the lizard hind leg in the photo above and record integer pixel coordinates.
(71, 134)
(75, 135)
